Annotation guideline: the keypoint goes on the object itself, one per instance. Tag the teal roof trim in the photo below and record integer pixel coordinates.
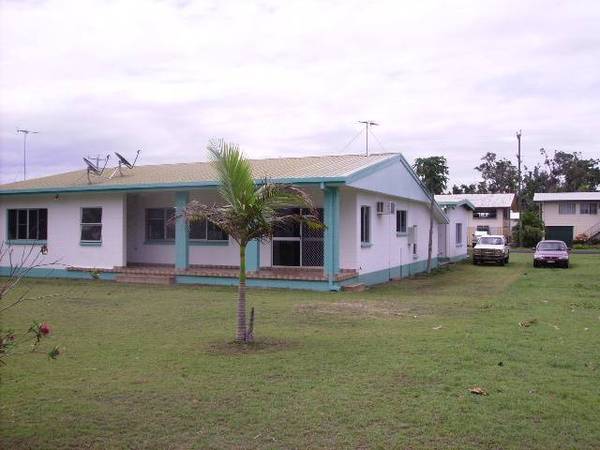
(156, 186)
(466, 203)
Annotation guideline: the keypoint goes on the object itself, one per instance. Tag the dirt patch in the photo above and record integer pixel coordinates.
(363, 309)
(263, 345)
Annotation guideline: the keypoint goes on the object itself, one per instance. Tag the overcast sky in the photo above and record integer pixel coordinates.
(287, 78)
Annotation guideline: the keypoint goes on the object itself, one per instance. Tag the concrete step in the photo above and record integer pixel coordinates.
(358, 287)
(143, 278)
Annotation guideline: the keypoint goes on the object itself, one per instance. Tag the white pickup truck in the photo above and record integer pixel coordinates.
(491, 249)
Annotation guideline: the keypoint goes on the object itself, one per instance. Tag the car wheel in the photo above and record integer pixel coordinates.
(507, 259)
(502, 261)
(535, 263)
(566, 265)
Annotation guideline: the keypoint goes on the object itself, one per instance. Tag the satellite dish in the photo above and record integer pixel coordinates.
(91, 167)
(123, 160)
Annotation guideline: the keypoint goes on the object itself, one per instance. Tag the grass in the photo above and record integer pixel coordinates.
(152, 367)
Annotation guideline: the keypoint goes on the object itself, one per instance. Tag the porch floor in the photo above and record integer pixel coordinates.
(273, 273)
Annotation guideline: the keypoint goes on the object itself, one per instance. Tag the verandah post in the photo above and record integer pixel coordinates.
(181, 231)
(331, 241)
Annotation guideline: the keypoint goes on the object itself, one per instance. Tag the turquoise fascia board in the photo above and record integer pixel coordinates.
(60, 273)
(373, 168)
(160, 186)
(182, 250)
(253, 256)
(26, 242)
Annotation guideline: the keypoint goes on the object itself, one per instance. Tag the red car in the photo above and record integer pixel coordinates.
(551, 253)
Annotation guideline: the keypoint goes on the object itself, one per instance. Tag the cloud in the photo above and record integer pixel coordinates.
(292, 78)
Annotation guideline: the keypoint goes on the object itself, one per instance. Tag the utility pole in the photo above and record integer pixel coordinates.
(519, 189)
(367, 124)
(25, 133)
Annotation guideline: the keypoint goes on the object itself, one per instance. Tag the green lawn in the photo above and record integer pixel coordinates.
(150, 367)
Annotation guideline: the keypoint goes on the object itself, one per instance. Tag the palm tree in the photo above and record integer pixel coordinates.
(249, 211)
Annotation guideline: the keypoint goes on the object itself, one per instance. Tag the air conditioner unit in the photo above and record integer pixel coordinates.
(386, 208)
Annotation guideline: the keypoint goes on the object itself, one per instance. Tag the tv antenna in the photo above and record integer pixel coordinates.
(368, 123)
(25, 133)
(123, 162)
(94, 168)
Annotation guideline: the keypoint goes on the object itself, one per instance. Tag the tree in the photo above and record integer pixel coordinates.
(570, 173)
(499, 175)
(433, 172)
(531, 230)
(249, 211)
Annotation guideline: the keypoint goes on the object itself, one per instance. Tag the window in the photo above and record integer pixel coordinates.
(400, 221)
(29, 224)
(459, 233)
(204, 230)
(297, 244)
(485, 213)
(91, 224)
(365, 224)
(160, 224)
(566, 208)
(588, 208)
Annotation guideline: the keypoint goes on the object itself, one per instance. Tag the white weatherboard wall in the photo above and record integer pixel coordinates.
(388, 249)
(457, 215)
(64, 221)
(580, 222)
(142, 252)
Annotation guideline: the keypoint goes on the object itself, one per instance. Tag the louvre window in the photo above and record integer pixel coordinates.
(588, 208)
(203, 230)
(365, 224)
(160, 224)
(566, 208)
(91, 224)
(28, 224)
(400, 221)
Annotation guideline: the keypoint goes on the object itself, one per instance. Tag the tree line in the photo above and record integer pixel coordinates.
(560, 172)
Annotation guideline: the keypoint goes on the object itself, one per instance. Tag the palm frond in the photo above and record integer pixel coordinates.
(236, 183)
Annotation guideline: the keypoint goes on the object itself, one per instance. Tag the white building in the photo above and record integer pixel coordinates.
(375, 210)
(492, 212)
(567, 215)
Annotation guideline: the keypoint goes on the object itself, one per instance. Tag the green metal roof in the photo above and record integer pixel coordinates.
(309, 169)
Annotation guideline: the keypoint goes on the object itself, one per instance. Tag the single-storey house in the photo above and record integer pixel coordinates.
(567, 215)
(453, 236)
(127, 227)
(492, 212)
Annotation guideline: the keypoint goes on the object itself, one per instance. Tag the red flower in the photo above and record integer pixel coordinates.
(45, 329)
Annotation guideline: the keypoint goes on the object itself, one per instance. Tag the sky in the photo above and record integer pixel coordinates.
(452, 78)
